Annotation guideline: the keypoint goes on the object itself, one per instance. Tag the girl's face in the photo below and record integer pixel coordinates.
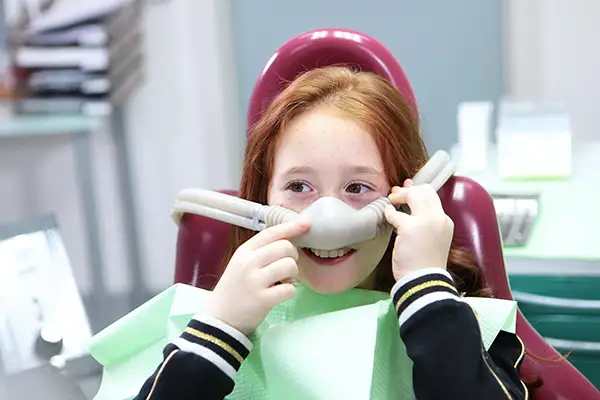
(321, 154)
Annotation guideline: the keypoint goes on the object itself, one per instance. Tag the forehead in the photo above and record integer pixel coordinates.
(322, 138)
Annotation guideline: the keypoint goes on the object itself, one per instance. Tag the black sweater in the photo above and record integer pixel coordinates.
(440, 332)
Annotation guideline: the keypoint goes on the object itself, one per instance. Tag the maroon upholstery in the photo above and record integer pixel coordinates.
(476, 229)
(201, 245)
(202, 242)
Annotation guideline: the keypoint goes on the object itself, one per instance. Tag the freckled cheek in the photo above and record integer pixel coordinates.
(298, 203)
(361, 201)
(290, 200)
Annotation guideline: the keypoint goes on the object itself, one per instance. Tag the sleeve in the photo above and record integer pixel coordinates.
(442, 338)
(200, 364)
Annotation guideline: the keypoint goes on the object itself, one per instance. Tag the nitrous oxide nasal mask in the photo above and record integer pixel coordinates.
(333, 223)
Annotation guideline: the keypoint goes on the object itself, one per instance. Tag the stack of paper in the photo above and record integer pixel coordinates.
(80, 56)
(534, 141)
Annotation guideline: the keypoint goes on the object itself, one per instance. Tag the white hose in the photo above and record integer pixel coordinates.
(443, 176)
(435, 167)
(249, 215)
(183, 207)
(221, 201)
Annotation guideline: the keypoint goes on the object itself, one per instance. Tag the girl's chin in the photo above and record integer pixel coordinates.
(331, 276)
(329, 285)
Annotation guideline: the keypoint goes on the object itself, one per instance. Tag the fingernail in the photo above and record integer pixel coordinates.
(303, 223)
(389, 208)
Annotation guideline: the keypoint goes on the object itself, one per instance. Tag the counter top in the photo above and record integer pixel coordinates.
(46, 125)
(568, 225)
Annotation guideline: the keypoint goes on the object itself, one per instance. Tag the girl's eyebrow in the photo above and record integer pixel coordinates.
(360, 169)
(300, 169)
(365, 169)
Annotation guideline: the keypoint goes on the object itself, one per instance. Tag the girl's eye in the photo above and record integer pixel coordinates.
(298, 187)
(357, 188)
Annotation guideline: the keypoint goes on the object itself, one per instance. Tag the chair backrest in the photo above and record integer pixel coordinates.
(476, 230)
(202, 242)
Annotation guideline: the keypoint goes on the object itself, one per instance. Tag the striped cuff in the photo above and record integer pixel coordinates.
(421, 288)
(216, 342)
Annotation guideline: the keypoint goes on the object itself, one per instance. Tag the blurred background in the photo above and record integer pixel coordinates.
(110, 107)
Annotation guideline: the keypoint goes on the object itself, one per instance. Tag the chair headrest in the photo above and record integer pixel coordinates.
(322, 48)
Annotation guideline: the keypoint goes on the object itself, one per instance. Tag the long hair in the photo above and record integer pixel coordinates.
(380, 108)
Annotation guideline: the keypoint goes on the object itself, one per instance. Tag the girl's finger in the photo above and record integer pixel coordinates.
(421, 199)
(396, 218)
(281, 270)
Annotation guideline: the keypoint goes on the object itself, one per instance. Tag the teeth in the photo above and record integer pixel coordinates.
(330, 253)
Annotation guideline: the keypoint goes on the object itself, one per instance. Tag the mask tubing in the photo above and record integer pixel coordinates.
(378, 207)
(436, 165)
(275, 215)
(443, 176)
(220, 201)
(219, 206)
(182, 207)
(333, 224)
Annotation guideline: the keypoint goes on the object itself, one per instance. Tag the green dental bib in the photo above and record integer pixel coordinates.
(327, 347)
(313, 347)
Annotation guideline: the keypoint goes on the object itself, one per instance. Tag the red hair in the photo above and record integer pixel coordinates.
(380, 108)
(393, 123)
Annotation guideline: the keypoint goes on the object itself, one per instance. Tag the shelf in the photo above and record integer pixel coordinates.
(46, 125)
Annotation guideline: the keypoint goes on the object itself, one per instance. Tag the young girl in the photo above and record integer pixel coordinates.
(351, 135)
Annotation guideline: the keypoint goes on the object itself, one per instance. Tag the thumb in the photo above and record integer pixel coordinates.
(394, 217)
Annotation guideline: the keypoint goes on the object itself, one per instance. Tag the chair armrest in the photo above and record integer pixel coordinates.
(565, 346)
(558, 302)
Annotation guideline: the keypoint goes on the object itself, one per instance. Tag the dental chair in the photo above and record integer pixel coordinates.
(202, 241)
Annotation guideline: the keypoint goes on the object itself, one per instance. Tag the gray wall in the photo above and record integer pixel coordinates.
(450, 50)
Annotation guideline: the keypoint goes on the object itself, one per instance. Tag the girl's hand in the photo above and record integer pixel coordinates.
(424, 237)
(248, 288)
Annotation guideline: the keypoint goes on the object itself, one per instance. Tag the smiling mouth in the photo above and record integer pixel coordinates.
(329, 257)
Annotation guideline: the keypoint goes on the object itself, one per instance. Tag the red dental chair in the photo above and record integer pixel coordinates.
(202, 241)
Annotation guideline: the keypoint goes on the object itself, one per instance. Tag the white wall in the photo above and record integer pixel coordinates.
(184, 124)
(184, 130)
(552, 53)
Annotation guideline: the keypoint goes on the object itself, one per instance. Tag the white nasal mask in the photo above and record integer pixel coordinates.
(333, 223)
